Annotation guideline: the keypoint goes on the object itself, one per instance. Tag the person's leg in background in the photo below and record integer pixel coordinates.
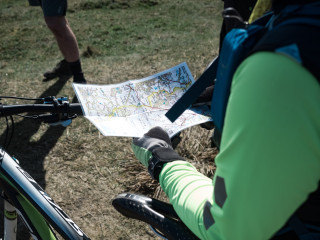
(55, 18)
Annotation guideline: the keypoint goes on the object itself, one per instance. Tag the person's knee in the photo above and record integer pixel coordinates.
(57, 25)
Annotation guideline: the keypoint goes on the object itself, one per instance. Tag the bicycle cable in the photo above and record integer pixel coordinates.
(12, 131)
(22, 98)
(27, 116)
(7, 139)
(60, 116)
(7, 133)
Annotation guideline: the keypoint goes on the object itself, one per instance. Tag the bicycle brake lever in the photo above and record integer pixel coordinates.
(61, 118)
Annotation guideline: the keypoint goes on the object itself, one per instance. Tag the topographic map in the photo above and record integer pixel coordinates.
(131, 108)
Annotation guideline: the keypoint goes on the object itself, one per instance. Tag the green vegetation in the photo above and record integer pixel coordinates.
(119, 40)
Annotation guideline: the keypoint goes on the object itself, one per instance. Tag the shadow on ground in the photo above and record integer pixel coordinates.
(31, 154)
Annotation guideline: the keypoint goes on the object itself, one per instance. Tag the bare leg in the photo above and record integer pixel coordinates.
(68, 45)
(65, 37)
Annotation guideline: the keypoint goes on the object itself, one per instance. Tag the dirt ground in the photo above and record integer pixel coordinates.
(78, 167)
(83, 183)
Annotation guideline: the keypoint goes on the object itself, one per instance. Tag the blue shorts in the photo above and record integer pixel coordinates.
(51, 8)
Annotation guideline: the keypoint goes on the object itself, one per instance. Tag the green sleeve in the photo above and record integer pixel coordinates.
(269, 160)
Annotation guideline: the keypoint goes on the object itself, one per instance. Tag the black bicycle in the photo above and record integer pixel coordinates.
(22, 195)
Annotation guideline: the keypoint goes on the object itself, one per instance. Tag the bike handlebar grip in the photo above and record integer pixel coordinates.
(158, 214)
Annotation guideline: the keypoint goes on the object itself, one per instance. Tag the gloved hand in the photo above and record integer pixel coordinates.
(205, 99)
(154, 149)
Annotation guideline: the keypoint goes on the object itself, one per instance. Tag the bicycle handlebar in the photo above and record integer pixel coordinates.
(158, 214)
(8, 110)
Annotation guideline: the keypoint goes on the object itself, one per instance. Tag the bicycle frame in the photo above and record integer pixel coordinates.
(35, 207)
(22, 194)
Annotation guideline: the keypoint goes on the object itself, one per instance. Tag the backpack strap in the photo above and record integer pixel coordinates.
(189, 97)
(235, 48)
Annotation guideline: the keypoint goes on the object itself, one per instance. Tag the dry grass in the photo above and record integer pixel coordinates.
(80, 169)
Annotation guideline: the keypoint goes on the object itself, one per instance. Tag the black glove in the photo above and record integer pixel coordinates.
(154, 149)
(205, 99)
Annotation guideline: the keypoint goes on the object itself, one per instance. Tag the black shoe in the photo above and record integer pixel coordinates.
(61, 69)
(79, 78)
(83, 81)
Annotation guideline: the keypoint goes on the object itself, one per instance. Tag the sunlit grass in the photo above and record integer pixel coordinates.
(119, 40)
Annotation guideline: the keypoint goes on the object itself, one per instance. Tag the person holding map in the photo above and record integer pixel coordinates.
(266, 185)
(55, 17)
